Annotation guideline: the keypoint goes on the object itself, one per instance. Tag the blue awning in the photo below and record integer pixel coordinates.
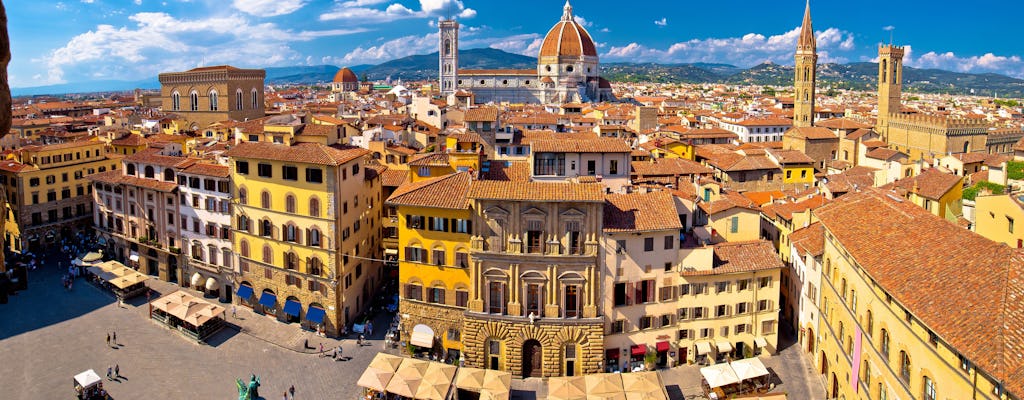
(292, 307)
(268, 299)
(244, 292)
(315, 314)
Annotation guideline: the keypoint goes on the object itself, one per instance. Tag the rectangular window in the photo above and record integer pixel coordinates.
(439, 257)
(1009, 224)
(620, 247)
(289, 173)
(414, 292)
(742, 308)
(734, 225)
(646, 322)
(461, 298)
(265, 170)
(767, 327)
(741, 328)
(648, 244)
(462, 260)
(669, 242)
(314, 175)
(617, 326)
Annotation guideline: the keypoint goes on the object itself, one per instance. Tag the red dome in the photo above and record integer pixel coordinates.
(345, 75)
(568, 38)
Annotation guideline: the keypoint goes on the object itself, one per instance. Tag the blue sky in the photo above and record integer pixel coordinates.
(81, 40)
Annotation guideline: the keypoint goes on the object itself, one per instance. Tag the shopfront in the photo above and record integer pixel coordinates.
(637, 353)
(663, 349)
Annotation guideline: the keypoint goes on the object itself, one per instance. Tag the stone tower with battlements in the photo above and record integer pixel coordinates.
(448, 55)
(806, 70)
(890, 84)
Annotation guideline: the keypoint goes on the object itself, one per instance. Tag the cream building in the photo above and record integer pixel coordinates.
(205, 222)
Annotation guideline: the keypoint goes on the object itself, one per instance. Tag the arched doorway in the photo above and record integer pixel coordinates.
(810, 340)
(835, 386)
(824, 364)
(532, 366)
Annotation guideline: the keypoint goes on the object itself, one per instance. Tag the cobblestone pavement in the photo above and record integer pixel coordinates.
(47, 335)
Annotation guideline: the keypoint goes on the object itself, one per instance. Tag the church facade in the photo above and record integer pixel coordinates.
(568, 69)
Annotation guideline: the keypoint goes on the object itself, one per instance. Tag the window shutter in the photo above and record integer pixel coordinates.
(408, 254)
(469, 226)
(673, 295)
(446, 221)
(430, 223)
(650, 289)
(629, 293)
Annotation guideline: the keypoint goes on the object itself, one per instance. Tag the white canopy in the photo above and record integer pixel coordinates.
(211, 284)
(723, 346)
(422, 336)
(196, 277)
(134, 257)
(87, 379)
(703, 348)
(761, 342)
(719, 375)
(749, 368)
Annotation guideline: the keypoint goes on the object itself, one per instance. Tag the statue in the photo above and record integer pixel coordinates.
(250, 391)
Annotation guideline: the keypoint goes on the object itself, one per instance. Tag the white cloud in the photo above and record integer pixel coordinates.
(160, 42)
(747, 50)
(360, 12)
(661, 22)
(88, 1)
(526, 44)
(605, 30)
(582, 21)
(268, 8)
(988, 62)
(391, 49)
(138, 2)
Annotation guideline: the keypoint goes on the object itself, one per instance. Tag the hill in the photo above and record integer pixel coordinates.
(425, 66)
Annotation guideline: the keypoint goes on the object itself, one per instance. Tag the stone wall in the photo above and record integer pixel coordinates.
(438, 317)
(552, 335)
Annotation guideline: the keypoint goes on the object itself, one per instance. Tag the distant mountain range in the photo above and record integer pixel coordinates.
(860, 76)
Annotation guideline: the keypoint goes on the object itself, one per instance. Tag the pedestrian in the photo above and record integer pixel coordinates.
(234, 312)
(369, 328)
(115, 338)
(291, 389)
(340, 352)
(108, 374)
(321, 349)
(108, 339)
(117, 371)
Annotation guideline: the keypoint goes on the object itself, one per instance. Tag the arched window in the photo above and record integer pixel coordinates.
(149, 172)
(967, 147)
(315, 267)
(213, 100)
(883, 343)
(314, 207)
(447, 47)
(291, 233)
(243, 195)
(266, 228)
(885, 71)
(291, 261)
(175, 101)
(130, 169)
(168, 175)
(865, 375)
(265, 199)
(239, 99)
(194, 99)
(807, 73)
(905, 367)
(929, 389)
(289, 204)
(268, 254)
(895, 70)
(870, 323)
(314, 237)
(255, 99)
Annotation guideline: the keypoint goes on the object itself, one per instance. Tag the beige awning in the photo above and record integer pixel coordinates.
(407, 378)
(92, 257)
(719, 375)
(723, 346)
(188, 308)
(605, 386)
(422, 336)
(471, 379)
(567, 388)
(761, 342)
(497, 385)
(196, 277)
(646, 385)
(749, 368)
(703, 348)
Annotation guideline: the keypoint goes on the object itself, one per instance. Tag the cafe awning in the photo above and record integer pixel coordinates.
(567, 388)
(611, 354)
(437, 381)
(268, 299)
(703, 348)
(379, 372)
(638, 349)
(196, 277)
(422, 336)
(663, 346)
(761, 342)
(646, 385)
(87, 379)
(292, 307)
(211, 284)
(188, 308)
(92, 257)
(723, 346)
(604, 386)
(719, 375)
(244, 291)
(749, 368)
(408, 377)
(315, 314)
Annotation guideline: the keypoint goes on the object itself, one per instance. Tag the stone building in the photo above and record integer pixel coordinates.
(345, 81)
(533, 307)
(806, 72)
(211, 94)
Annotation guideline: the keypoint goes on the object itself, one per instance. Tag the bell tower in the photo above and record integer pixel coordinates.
(448, 55)
(890, 84)
(806, 71)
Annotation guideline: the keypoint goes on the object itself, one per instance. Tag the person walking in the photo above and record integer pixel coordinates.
(284, 396)
(321, 349)
(234, 312)
(114, 338)
(108, 374)
(108, 340)
(117, 371)
(291, 390)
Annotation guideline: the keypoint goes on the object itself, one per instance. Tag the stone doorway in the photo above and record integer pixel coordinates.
(532, 366)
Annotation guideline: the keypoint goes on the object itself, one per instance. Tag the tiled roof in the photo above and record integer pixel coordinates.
(447, 191)
(739, 162)
(394, 177)
(481, 114)
(130, 139)
(592, 145)
(787, 209)
(810, 239)
(860, 176)
(14, 166)
(430, 160)
(970, 158)
(307, 153)
(811, 132)
(640, 212)
(319, 130)
(842, 123)
(750, 256)
(882, 153)
(207, 169)
(917, 257)
(790, 156)
(517, 171)
(708, 134)
(857, 134)
(116, 177)
(931, 183)
(728, 201)
(668, 167)
(536, 191)
(150, 156)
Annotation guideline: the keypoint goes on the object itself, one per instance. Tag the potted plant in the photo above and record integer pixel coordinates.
(649, 360)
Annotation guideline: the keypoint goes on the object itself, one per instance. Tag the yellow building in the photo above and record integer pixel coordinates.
(932, 314)
(796, 166)
(48, 196)
(730, 218)
(429, 165)
(464, 150)
(995, 218)
(434, 230)
(936, 191)
(729, 303)
(305, 230)
(206, 95)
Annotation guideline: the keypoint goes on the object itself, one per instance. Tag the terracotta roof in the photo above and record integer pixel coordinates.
(430, 160)
(857, 134)
(1019, 146)
(842, 123)
(874, 143)
(734, 257)
(345, 75)
(810, 239)
(862, 177)
(207, 169)
(447, 191)
(306, 153)
(811, 132)
(738, 162)
(394, 177)
(116, 177)
(790, 156)
(518, 171)
(536, 191)
(481, 114)
(970, 158)
(14, 166)
(668, 167)
(319, 130)
(130, 139)
(568, 39)
(592, 145)
(882, 153)
(708, 134)
(640, 212)
(728, 201)
(931, 183)
(788, 208)
(150, 156)
(916, 256)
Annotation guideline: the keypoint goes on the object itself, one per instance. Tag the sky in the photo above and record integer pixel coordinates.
(81, 40)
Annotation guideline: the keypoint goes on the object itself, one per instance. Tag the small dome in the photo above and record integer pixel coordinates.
(568, 39)
(346, 75)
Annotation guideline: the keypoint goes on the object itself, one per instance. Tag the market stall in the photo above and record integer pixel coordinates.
(89, 386)
(190, 315)
(123, 281)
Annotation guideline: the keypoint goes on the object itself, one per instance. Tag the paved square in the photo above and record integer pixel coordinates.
(48, 335)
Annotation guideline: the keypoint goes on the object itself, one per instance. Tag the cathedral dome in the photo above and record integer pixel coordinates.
(345, 75)
(568, 39)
